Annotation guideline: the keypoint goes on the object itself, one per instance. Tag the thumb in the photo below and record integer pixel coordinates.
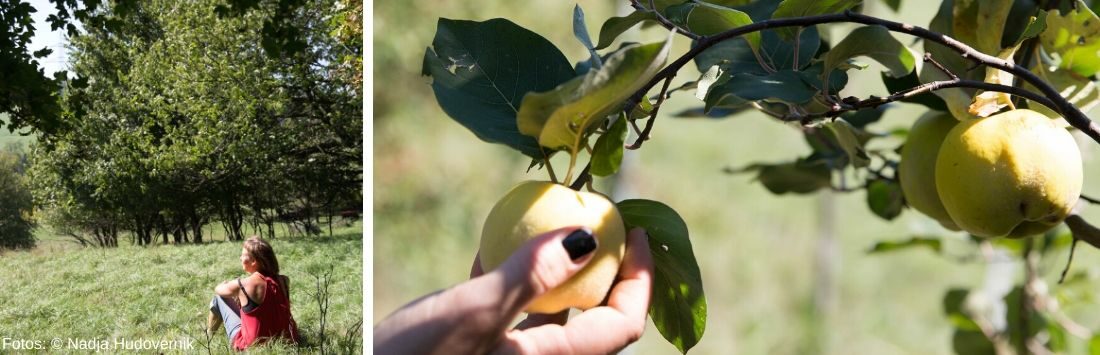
(545, 262)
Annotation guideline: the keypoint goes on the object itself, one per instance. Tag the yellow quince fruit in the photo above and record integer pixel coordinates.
(917, 170)
(536, 207)
(1013, 174)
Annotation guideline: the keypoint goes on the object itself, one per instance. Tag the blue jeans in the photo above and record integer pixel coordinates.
(230, 314)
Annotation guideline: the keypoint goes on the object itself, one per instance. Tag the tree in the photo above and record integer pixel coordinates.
(510, 86)
(180, 117)
(16, 221)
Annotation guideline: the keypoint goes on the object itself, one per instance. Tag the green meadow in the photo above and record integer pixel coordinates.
(61, 290)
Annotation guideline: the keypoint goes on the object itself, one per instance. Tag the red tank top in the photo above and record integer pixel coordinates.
(271, 319)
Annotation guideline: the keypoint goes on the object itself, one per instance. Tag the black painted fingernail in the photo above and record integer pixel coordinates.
(579, 243)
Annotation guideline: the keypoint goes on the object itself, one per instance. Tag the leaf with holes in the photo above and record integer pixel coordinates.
(1074, 38)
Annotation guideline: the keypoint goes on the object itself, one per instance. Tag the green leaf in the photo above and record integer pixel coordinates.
(678, 306)
(801, 8)
(915, 242)
(1059, 339)
(607, 155)
(785, 85)
(1036, 321)
(864, 117)
(1074, 38)
(706, 19)
(929, 100)
(1078, 90)
(956, 100)
(799, 177)
(1094, 345)
(885, 49)
(954, 304)
(991, 20)
(562, 116)
(884, 197)
(971, 342)
(894, 4)
(580, 30)
(849, 141)
(482, 70)
(615, 26)
(738, 57)
(1036, 25)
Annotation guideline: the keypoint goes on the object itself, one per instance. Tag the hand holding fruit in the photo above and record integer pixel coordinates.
(474, 317)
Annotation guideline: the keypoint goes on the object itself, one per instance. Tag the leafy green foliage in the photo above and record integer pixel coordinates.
(706, 19)
(885, 198)
(482, 70)
(886, 50)
(850, 140)
(935, 244)
(678, 305)
(615, 26)
(560, 118)
(184, 120)
(16, 222)
(799, 177)
(607, 155)
(800, 8)
(1074, 38)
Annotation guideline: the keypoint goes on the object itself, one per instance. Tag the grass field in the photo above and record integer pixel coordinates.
(435, 182)
(161, 293)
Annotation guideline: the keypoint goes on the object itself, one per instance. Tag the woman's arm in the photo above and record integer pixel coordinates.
(227, 289)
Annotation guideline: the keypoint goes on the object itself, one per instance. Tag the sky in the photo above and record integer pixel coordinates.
(43, 37)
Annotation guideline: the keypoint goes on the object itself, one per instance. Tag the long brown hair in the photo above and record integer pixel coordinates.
(261, 251)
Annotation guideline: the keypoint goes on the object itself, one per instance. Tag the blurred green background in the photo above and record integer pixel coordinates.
(763, 257)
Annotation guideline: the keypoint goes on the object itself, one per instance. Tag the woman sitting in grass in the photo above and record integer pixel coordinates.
(265, 295)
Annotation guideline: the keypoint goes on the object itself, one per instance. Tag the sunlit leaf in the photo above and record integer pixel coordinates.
(561, 117)
(1074, 38)
(1078, 90)
(706, 19)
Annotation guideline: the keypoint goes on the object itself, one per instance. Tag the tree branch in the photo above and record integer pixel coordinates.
(644, 136)
(664, 20)
(1071, 114)
(874, 101)
(1083, 231)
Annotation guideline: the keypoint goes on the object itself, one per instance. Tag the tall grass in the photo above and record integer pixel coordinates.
(162, 292)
